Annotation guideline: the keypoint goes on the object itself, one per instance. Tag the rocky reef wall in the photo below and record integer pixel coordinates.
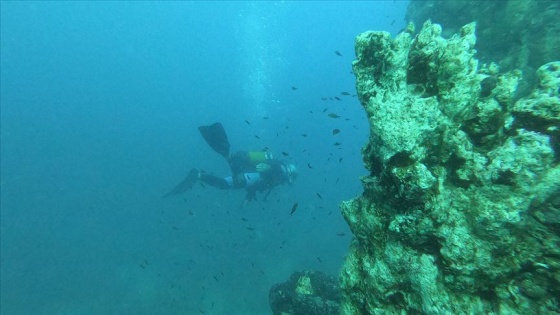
(461, 210)
(517, 34)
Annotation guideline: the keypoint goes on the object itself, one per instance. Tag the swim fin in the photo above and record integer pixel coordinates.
(216, 137)
(185, 185)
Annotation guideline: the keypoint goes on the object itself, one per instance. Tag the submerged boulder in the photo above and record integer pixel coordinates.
(307, 292)
(460, 212)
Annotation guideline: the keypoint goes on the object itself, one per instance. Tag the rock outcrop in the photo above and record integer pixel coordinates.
(517, 34)
(461, 210)
(307, 292)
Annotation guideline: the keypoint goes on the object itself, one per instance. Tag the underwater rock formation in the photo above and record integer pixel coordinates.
(307, 292)
(513, 33)
(460, 213)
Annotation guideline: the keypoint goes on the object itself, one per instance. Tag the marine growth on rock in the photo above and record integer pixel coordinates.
(461, 209)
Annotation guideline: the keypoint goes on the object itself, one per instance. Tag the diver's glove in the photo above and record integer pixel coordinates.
(263, 167)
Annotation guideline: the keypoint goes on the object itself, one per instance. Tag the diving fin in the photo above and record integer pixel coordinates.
(216, 137)
(185, 185)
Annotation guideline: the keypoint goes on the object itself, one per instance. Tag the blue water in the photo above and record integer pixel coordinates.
(100, 104)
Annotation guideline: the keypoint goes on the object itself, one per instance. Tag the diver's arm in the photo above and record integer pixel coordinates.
(251, 195)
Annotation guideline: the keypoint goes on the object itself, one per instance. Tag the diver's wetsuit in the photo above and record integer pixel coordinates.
(245, 175)
(254, 171)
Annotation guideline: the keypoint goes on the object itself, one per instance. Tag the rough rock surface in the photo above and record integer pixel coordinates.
(461, 210)
(513, 33)
(307, 292)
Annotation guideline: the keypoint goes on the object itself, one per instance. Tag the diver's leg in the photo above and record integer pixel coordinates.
(185, 185)
(215, 181)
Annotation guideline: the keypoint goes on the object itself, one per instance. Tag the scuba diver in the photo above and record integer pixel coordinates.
(253, 171)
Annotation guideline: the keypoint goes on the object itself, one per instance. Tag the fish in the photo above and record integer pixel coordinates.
(285, 153)
(304, 135)
(337, 98)
(333, 115)
(337, 143)
(309, 165)
(335, 131)
(326, 109)
(294, 208)
(344, 93)
(319, 195)
(244, 219)
(248, 123)
(319, 259)
(393, 22)
(338, 53)
(324, 98)
(294, 88)
(265, 117)
(257, 137)
(250, 228)
(340, 160)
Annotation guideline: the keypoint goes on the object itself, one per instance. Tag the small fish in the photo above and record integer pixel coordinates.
(344, 93)
(326, 109)
(304, 135)
(324, 98)
(333, 115)
(285, 153)
(175, 228)
(337, 143)
(319, 195)
(335, 131)
(340, 234)
(393, 22)
(294, 208)
(266, 117)
(309, 165)
(215, 278)
(340, 160)
(248, 123)
(294, 88)
(250, 228)
(337, 98)
(257, 137)
(338, 53)
(319, 259)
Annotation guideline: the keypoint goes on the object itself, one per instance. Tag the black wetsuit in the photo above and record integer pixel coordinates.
(245, 175)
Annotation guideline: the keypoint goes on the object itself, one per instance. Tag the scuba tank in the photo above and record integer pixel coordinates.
(257, 157)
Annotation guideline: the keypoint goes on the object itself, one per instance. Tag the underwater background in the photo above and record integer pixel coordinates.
(100, 104)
